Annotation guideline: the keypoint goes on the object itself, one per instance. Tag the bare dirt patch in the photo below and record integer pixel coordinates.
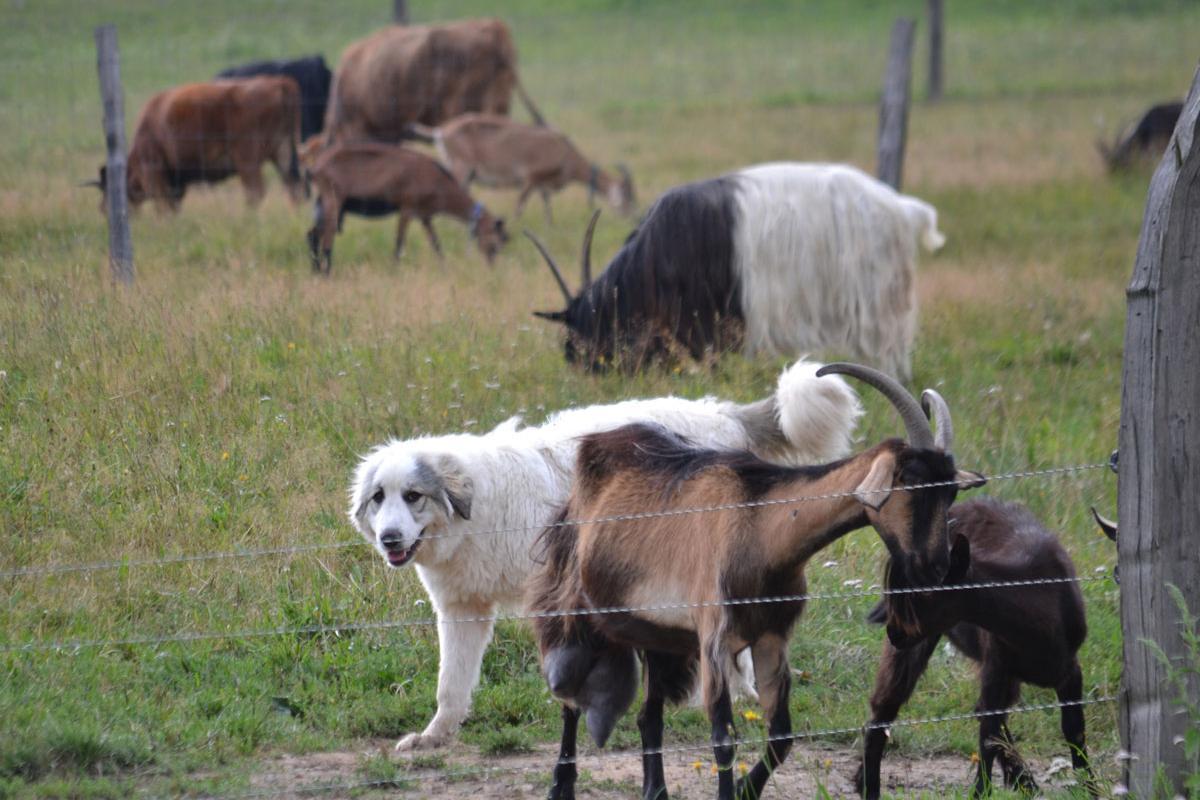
(461, 773)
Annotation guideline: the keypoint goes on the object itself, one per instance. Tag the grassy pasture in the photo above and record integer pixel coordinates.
(221, 402)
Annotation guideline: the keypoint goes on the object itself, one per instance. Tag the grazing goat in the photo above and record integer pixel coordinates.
(379, 179)
(1146, 138)
(495, 151)
(682, 578)
(1026, 634)
(436, 501)
(779, 258)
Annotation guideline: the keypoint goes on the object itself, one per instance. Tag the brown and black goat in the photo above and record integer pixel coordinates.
(1025, 634)
(497, 151)
(690, 582)
(374, 179)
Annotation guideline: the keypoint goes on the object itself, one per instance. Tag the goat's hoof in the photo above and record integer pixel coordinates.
(562, 791)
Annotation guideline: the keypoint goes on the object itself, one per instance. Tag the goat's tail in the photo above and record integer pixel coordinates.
(879, 614)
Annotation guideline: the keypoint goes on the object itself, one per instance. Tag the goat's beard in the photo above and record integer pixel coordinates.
(901, 616)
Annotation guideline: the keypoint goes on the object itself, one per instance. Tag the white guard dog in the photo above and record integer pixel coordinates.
(423, 500)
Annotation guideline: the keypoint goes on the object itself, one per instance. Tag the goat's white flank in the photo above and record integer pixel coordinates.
(514, 477)
(826, 257)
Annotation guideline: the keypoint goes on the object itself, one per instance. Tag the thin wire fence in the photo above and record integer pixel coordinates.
(490, 769)
(58, 569)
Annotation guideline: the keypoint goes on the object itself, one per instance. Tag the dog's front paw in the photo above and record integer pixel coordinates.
(420, 741)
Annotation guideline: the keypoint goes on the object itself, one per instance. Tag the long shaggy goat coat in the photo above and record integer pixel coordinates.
(421, 500)
(784, 257)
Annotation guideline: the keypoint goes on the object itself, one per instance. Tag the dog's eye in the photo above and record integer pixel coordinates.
(411, 497)
(378, 496)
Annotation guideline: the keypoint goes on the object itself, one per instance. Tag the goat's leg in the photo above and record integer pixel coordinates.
(565, 771)
(314, 234)
(433, 237)
(327, 229)
(526, 190)
(774, 683)
(546, 203)
(720, 714)
(897, 676)
(650, 724)
(1071, 691)
(998, 692)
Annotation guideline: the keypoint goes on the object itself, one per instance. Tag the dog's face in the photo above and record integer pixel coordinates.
(399, 498)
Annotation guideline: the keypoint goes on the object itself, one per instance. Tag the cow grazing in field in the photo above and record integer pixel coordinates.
(206, 132)
(496, 151)
(310, 73)
(375, 179)
(422, 73)
(1144, 139)
(779, 258)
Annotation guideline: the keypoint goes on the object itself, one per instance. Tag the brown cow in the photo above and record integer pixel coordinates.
(496, 151)
(205, 132)
(422, 73)
(374, 179)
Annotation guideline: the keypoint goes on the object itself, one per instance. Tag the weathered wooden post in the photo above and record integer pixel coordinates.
(1159, 484)
(400, 12)
(893, 107)
(935, 50)
(120, 243)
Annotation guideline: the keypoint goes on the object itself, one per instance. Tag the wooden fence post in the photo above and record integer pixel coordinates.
(108, 64)
(935, 50)
(1159, 483)
(400, 12)
(893, 107)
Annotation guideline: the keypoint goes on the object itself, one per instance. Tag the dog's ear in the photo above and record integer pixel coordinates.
(457, 486)
(361, 491)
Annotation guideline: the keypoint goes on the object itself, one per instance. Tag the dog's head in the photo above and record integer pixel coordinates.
(399, 496)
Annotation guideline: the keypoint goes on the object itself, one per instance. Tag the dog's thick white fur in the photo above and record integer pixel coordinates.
(434, 501)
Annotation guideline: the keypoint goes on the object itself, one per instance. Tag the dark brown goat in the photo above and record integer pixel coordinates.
(374, 180)
(686, 573)
(1026, 634)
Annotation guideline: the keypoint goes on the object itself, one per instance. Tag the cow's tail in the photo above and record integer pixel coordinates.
(527, 101)
(416, 132)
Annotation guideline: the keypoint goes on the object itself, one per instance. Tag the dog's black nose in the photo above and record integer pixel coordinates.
(391, 538)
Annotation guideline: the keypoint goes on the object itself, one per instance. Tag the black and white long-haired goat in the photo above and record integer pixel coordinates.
(777, 258)
(680, 571)
(1027, 634)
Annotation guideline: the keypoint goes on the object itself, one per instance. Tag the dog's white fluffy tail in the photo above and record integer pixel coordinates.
(817, 416)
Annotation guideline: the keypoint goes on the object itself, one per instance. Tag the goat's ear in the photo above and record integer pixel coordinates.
(960, 560)
(553, 316)
(876, 488)
(967, 479)
(501, 231)
(1107, 525)
(457, 486)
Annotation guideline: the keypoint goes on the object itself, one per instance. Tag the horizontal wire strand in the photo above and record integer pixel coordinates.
(324, 788)
(60, 569)
(356, 627)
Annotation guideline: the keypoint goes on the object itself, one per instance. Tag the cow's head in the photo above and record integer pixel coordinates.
(135, 189)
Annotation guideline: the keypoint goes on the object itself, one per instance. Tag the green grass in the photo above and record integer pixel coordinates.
(221, 403)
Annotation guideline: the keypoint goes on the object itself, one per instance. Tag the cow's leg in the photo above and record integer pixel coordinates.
(897, 676)
(1071, 691)
(284, 161)
(401, 232)
(461, 647)
(524, 196)
(565, 771)
(998, 691)
(773, 680)
(252, 181)
(432, 234)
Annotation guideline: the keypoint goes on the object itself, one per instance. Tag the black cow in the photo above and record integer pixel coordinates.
(313, 77)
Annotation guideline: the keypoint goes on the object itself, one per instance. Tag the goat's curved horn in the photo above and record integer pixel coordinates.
(585, 259)
(915, 424)
(935, 406)
(1107, 525)
(92, 182)
(550, 263)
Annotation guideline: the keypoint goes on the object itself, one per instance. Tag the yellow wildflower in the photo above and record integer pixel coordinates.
(224, 455)
(974, 758)
(743, 768)
(697, 765)
(751, 716)
(291, 345)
